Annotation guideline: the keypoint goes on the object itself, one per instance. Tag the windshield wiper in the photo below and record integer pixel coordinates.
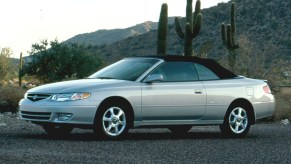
(105, 78)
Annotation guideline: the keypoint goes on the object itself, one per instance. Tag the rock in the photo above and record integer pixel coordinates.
(9, 114)
(285, 122)
(3, 124)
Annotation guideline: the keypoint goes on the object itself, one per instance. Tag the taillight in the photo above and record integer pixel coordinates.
(267, 89)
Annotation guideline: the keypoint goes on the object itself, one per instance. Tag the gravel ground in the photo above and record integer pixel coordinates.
(23, 142)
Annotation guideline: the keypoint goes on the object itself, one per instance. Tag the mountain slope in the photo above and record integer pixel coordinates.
(263, 22)
(109, 36)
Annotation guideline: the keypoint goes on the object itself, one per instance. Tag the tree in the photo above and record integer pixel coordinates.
(251, 61)
(204, 49)
(5, 62)
(60, 61)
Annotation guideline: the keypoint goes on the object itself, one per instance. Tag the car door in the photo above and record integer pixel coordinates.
(219, 93)
(178, 96)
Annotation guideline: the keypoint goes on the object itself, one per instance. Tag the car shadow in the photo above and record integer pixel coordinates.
(135, 136)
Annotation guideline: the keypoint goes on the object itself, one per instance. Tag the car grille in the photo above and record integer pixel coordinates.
(37, 97)
(35, 115)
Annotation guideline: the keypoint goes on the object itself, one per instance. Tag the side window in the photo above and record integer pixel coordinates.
(204, 73)
(177, 71)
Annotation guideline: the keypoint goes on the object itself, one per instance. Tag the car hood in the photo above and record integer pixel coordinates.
(83, 85)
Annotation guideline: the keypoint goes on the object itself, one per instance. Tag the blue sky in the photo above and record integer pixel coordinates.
(25, 22)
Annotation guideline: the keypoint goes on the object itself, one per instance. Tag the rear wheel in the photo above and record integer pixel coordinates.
(58, 130)
(236, 122)
(112, 122)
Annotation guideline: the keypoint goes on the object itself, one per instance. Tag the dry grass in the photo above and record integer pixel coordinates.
(283, 106)
(10, 97)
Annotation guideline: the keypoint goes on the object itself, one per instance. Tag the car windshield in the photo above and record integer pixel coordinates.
(126, 69)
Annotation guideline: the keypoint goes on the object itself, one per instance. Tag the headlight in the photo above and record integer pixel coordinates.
(70, 96)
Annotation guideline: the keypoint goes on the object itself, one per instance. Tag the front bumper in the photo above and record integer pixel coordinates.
(55, 112)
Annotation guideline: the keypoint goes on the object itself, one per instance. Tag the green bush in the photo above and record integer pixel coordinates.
(61, 61)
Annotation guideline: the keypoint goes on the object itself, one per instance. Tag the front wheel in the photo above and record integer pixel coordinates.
(112, 122)
(236, 122)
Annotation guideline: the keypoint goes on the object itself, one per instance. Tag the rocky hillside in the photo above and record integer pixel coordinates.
(263, 22)
(101, 37)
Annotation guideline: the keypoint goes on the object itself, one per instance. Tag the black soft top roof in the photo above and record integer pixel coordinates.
(220, 71)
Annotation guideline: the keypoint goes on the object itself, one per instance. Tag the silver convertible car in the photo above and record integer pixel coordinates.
(174, 92)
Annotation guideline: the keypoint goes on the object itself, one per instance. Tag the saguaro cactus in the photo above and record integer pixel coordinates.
(192, 28)
(20, 74)
(163, 30)
(228, 37)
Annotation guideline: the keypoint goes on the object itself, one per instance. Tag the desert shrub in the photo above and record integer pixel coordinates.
(282, 107)
(10, 97)
(5, 64)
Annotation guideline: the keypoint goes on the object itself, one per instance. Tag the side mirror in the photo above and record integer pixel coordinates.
(154, 78)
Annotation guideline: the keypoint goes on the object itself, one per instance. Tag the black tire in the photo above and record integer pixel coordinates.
(112, 121)
(58, 130)
(180, 129)
(236, 122)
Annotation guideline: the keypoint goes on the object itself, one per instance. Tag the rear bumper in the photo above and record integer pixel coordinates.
(264, 109)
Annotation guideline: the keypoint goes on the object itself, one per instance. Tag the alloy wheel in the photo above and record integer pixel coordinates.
(114, 121)
(238, 120)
